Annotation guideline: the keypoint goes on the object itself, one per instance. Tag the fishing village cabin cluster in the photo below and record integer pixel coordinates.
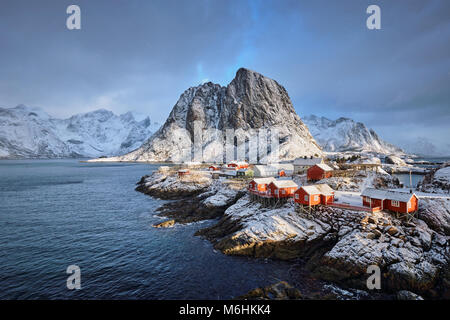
(271, 184)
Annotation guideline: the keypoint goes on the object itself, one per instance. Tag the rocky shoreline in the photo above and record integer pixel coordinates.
(338, 245)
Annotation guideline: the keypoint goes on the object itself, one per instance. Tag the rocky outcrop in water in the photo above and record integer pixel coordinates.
(197, 196)
(339, 245)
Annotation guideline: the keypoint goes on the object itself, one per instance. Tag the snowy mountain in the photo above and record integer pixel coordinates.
(250, 102)
(345, 134)
(423, 147)
(27, 132)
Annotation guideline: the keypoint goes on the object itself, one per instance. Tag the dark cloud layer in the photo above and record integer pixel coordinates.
(142, 55)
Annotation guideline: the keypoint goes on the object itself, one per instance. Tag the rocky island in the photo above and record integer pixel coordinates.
(337, 245)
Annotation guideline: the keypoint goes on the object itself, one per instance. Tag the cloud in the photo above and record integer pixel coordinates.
(141, 55)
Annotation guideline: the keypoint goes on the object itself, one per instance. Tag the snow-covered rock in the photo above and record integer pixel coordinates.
(28, 132)
(250, 102)
(391, 159)
(436, 213)
(437, 181)
(167, 185)
(339, 244)
(443, 175)
(345, 134)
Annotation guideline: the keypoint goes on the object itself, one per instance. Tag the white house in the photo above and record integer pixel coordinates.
(273, 169)
(303, 164)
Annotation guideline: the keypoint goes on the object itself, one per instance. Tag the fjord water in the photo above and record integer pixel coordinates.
(56, 213)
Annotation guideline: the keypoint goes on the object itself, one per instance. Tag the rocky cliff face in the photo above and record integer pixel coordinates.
(250, 102)
(345, 134)
(27, 132)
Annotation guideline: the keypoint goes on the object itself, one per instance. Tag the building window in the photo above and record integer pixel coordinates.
(283, 192)
(276, 191)
(306, 198)
(409, 204)
(395, 203)
(296, 196)
(316, 198)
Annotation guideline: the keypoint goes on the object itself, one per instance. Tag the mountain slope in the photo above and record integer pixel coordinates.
(422, 146)
(27, 132)
(250, 102)
(345, 134)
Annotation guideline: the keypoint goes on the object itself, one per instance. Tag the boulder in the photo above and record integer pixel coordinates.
(391, 230)
(278, 291)
(408, 295)
(165, 224)
(394, 160)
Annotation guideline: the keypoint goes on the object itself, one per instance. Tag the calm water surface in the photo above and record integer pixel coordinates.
(57, 213)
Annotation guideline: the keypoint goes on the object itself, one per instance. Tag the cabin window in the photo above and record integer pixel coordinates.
(316, 198)
(283, 192)
(409, 204)
(306, 198)
(395, 203)
(276, 191)
(296, 196)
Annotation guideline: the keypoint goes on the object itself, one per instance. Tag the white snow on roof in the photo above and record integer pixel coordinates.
(310, 189)
(264, 180)
(239, 163)
(324, 167)
(319, 189)
(285, 184)
(307, 162)
(387, 194)
(324, 189)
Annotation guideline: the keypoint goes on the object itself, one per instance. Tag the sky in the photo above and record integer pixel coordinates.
(141, 55)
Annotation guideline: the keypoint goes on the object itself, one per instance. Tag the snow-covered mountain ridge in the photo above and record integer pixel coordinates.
(250, 102)
(28, 132)
(345, 134)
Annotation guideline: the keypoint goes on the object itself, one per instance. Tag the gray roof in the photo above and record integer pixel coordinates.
(387, 194)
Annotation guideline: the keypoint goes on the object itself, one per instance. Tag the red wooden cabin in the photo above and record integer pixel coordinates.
(314, 195)
(237, 165)
(319, 171)
(259, 185)
(396, 201)
(214, 168)
(282, 188)
(183, 172)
